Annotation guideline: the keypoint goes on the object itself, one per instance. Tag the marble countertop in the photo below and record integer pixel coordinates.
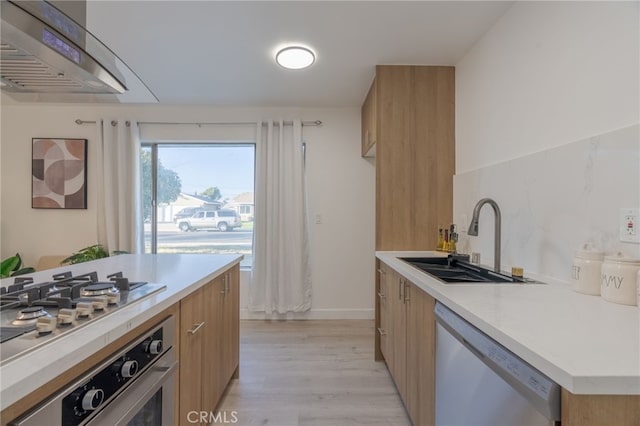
(181, 273)
(584, 343)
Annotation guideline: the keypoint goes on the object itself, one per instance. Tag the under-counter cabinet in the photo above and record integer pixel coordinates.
(192, 338)
(209, 344)
(407, 334)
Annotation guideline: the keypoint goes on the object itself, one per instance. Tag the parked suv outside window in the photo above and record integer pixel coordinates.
(222, 220)
(186, 212)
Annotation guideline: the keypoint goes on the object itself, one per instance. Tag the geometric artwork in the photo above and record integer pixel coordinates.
(59, 173)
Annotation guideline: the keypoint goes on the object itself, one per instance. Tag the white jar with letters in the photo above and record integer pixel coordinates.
(619, 279)
(585, 272)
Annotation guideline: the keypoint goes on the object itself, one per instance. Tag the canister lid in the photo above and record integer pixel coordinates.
(620, 257)
(588, 251)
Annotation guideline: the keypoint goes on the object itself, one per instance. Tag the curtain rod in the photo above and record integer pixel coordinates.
(243, 123)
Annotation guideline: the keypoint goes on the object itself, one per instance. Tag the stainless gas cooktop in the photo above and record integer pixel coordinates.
(34, 314)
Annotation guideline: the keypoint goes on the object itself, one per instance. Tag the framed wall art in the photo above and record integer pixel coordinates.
(59, 173)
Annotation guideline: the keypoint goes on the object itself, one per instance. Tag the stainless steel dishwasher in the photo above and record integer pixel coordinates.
(480, 383)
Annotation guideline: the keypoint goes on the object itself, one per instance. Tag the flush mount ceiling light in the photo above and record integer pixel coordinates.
(295, 57)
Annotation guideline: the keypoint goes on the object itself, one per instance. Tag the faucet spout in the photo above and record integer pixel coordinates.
(473, 227)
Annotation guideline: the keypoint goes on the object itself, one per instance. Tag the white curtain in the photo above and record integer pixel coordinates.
(281, 279)
(119, 199)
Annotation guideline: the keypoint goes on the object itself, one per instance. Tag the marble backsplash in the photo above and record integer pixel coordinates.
(554, 201)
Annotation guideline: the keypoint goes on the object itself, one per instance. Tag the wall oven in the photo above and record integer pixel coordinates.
(135, 386)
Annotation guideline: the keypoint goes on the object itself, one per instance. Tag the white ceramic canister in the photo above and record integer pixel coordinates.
(586, 269)
(618, 279)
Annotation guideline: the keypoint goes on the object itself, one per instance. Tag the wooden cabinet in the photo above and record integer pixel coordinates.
(594, 410)
(410, 112)
(192, 322)
(409, 330)
(420, 356)
(369, 116)
(207, 325)
(398, 327)
(415, 155)
(209, 340)
(384, 335)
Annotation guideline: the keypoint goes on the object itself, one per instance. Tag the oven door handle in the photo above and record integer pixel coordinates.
(121, 409)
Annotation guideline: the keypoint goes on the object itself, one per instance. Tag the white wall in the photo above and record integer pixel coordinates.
(547, 74)
(547, 124)
(341, 188)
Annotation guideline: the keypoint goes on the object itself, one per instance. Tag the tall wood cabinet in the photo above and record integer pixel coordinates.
(408, 122)
(415, 155)
(209, 343)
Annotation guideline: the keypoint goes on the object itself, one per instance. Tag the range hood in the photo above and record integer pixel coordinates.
(44, 51)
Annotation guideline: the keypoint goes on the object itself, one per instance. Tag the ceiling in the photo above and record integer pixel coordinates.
(221, 52)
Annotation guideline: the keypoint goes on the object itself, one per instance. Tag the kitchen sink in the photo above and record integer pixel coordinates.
(455, 269)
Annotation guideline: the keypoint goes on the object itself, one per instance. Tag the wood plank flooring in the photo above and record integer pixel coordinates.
(311, 373)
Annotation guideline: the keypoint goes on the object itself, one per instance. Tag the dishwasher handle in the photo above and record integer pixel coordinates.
(542, 392)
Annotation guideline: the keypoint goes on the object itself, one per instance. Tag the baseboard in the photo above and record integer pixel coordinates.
(313, 314)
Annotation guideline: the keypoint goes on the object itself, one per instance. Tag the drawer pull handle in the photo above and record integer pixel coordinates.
(383, 272)
(382, 332)
(381, 295)
(195, 329)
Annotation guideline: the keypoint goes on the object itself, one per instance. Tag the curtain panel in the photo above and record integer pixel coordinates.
(119, 186)
(281, 278)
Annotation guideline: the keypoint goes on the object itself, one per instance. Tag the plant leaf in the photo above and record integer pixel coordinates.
(8, 265)
(23, 271)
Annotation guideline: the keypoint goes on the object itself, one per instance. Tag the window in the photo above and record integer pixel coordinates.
(197, 191)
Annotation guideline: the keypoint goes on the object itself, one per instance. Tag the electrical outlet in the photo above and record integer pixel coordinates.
(318, 219)
(629, 226)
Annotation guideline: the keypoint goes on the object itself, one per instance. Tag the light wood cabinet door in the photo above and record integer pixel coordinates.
(212, 370)
(231, 324)
(420, 397)
(192, 337)
(384, 331)
(368, 118)
(398, 333)
(596, 410)
(415, 155)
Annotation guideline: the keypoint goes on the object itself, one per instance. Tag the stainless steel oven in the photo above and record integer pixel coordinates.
(135, 386)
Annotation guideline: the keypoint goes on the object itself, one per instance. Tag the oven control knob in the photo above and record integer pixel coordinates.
(66, 316)
(113, 298)
(45, 325)
(92, 399)
(84, 309)
(129, 368)
(99, 303)
(153, 347)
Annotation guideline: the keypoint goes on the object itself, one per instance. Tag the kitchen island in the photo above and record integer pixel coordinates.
(183, 275)
(588, 346)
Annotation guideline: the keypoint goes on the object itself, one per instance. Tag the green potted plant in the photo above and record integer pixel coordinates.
(86, 254)
(12, 266)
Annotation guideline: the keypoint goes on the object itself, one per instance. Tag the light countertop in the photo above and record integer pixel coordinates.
(182, 274)
(582, 342)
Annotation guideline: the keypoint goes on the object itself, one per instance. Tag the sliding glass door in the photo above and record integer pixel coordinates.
(198, 198)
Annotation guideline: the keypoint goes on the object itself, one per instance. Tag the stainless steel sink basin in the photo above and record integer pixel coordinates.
(457, 270)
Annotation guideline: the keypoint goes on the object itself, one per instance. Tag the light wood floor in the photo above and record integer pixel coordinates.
(311, 373)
